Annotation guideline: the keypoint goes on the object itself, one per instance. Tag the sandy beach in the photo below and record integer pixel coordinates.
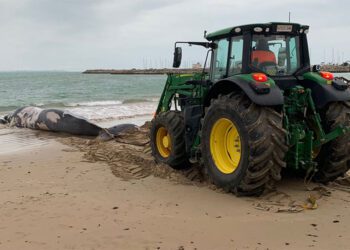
(64, 192)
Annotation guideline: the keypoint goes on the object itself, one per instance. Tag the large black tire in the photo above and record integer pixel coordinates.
(262, 139)
(334, 158)
(173, 123)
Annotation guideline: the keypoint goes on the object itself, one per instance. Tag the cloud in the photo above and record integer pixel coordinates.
(80, 34)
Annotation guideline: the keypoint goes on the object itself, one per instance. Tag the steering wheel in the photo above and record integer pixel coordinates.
(268, 67)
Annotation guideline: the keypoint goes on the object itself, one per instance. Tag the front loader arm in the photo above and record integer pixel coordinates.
(176, 84)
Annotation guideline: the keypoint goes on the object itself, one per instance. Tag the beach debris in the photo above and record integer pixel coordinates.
(129, 157)
(341, 184)
(279, 202)
(312, 235)
(311, 202)
(291, 209)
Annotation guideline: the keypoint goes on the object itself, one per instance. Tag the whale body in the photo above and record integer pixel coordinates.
(61, 121)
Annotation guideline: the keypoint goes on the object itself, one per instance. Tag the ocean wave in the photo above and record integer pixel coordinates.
(115, 111)
(94, 109)
(93, 103)
(140, 100)
(40, 104)
(122, 117)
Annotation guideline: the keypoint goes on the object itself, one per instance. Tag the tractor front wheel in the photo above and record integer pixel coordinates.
(334, 158)
(243, 145)
(168, 139)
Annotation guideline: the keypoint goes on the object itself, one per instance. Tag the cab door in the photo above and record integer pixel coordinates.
(219, 60)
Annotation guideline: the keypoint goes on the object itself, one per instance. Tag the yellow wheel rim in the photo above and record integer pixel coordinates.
(225, 145)
(163, 142)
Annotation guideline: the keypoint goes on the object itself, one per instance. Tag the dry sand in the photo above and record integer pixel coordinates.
(63, 192)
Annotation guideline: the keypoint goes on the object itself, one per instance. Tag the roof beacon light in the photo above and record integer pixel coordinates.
(258, 29)
(237, 30)
(327, 75)
(259, 77)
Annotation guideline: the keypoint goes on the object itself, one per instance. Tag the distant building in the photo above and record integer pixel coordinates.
(197, 66)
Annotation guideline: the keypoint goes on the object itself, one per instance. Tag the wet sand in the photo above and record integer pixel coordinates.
(63, 192)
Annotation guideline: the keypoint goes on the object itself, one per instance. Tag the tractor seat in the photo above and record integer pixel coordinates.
(261, 56)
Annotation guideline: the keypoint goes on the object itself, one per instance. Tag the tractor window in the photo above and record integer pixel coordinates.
(294, 56)
(276, 55)
(236, 55)
(220, 59)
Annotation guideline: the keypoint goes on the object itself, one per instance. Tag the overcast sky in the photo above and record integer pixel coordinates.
(82, 34)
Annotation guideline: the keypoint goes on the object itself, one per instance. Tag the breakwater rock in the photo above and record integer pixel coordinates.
(141, 71)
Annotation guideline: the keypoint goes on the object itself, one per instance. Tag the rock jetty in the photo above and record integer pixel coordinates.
(141, 71)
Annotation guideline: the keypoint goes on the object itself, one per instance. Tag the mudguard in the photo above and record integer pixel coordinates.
(323, 91)
(324, 94)
(272, 98)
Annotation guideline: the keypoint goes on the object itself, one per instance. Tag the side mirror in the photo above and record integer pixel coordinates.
(316, 68)
(177, 57)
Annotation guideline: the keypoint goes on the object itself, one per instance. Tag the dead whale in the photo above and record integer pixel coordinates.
(61, 121)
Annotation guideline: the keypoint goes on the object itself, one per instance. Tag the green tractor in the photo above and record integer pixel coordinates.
(260, 108)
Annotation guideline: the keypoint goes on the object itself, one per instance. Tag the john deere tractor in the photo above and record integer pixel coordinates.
(259, 108)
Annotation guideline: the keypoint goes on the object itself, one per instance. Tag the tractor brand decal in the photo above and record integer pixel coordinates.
(284, 28)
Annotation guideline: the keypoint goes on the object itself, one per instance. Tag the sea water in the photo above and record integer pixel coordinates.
(94, 96)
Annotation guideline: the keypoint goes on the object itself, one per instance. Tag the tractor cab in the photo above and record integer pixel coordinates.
(278, 50)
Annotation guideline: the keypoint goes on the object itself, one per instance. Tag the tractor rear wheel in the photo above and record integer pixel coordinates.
(334, 158)
(243, 145)
(168, 139)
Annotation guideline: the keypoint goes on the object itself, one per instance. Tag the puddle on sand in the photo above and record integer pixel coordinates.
(14, 139)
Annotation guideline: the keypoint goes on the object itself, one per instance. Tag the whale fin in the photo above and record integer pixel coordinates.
(122, 128)
(105, 135)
